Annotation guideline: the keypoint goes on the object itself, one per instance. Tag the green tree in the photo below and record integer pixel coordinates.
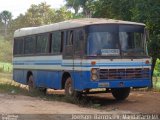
(5, 50)
(5, 17)
(41, 14)
(62, 14)
(86, 5)
(75, 4)
(117, 9)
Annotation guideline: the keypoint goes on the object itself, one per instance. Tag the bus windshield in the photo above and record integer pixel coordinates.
(116, 40)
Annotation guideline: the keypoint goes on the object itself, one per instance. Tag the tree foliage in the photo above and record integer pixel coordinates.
(5, 50)
(5, 19)
(5, 16)
(86, 5)
(37, 15)
(41, 14)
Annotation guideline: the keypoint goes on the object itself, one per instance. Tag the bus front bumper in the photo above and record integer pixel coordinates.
(135, 83)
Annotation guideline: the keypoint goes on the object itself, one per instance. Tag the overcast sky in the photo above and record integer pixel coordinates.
(21, 6)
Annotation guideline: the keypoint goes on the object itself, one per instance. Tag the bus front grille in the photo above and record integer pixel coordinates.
(133, 73)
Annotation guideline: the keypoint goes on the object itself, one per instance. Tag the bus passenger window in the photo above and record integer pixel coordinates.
(18, 46)
(70, 38)
(29, 45)
(78, 40)
(56, 42)
(42, 44)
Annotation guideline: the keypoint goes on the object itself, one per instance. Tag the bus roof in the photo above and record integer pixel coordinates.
(74, 23)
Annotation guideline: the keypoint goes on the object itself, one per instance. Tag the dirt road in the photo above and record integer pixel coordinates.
(137, 102)
(19, 104)
(33, 108)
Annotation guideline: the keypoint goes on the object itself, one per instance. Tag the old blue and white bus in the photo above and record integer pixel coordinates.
(82, 54)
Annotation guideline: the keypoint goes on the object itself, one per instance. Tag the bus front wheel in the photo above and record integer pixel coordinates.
(120, 93)
(69, 91)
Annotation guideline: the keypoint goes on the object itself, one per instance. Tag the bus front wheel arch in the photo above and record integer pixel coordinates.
(65, 76)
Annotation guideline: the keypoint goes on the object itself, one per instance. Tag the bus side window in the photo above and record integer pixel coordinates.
(79, 39)
(69, 37)
(18, 46)
(57, 42)
(29, 45)
(68, 46)
(78, 44)
(42, 44)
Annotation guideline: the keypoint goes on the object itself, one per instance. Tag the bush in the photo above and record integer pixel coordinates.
(5, 67)
(5, 50)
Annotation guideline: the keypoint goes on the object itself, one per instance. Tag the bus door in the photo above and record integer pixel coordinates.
(73, 52)
(79, 47)
(68, 54)
(79, 44)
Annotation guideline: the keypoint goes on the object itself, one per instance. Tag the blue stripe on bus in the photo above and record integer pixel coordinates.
(59, 62)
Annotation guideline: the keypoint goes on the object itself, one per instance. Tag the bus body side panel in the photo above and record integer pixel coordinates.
(19, 76)
(47, 79)
(46, 70)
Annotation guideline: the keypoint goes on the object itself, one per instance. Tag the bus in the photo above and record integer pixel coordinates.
(80, 55)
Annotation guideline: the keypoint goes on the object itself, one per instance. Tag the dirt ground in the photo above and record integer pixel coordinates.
(137, 102)
(20, 107)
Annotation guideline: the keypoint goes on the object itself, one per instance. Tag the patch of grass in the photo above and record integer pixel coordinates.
(5, 67)
(156, 83)
(10, 87)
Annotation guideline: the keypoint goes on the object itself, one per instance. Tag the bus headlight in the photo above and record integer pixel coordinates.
(94, 71)
(94, 77)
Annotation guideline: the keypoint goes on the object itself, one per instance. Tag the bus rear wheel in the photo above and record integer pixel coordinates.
(69, 91)
(30, 83)
(120, 93)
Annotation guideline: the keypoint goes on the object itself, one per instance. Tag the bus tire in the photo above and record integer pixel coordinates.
(69, 91)
(120, 93)
(30, 83)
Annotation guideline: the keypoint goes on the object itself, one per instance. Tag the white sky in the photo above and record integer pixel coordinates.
(21, 6)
